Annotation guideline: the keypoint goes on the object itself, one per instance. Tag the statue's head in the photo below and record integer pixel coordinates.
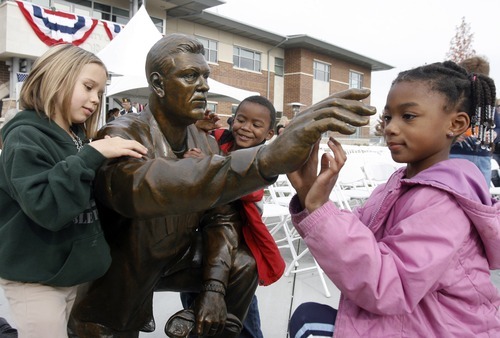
(178, 73)
(161, 56)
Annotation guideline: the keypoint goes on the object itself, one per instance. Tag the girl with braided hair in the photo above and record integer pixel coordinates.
(415, 259)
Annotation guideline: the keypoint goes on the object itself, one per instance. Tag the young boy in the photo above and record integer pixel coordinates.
(253, 124)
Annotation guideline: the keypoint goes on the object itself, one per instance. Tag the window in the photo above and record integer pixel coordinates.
(212, 107)
(97, 11)
(158, 23)
(321, 71)
(79, 8)
(279, 66)
(106, 12)
(102, 12)
(94, 9)
(355, 80)
(211, 47)
(247, 59)
(119, 15)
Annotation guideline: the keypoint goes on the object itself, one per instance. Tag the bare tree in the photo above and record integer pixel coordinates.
(379, 127)
(461, 43)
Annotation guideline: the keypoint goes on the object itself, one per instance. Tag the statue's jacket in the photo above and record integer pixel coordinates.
(151, 206)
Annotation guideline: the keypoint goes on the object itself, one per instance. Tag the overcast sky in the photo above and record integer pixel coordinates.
(401, 33)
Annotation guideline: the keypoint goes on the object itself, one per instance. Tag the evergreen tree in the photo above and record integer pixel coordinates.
(461, 43)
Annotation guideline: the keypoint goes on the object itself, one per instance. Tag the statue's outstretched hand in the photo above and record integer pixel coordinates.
(340, 112)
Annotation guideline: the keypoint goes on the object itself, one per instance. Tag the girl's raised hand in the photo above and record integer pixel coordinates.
(112, 147)
(303, 178)
(320, 191)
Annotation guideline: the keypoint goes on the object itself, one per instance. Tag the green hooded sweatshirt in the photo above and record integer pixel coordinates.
(49, 226)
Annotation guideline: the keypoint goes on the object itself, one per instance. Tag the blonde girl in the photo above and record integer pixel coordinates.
(51, 235)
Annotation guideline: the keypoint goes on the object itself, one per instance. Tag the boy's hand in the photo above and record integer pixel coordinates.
(194, 153)
(209, 123)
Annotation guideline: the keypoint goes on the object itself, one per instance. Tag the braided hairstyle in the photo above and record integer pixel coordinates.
(472, 93)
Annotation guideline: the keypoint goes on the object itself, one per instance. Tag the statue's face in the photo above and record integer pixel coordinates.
(186, 88)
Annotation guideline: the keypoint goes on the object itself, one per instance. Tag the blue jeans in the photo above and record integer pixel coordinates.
(251, 324)
(482, 162)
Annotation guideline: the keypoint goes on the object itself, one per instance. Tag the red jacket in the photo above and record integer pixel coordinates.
(270, 264)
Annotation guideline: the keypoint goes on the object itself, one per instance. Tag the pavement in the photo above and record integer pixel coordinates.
(276, 302)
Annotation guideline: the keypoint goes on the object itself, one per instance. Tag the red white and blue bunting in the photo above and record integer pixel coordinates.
(112, 29)
(53, 27)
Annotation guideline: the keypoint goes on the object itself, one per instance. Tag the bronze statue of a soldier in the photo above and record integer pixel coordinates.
(151, 208)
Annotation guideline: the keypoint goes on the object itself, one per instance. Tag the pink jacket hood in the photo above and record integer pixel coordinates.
(462, 179)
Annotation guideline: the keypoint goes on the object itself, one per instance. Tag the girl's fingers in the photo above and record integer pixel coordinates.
(135, 154)
(139, 148)
(338, 151)
(326, 160)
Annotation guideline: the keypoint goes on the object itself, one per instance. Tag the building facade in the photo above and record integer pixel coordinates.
(289, 70)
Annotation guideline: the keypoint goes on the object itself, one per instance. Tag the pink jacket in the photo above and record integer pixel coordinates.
(414, 261)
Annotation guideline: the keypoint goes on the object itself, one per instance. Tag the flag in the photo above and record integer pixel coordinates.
(53, 27)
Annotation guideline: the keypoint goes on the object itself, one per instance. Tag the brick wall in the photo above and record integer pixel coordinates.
(254, 81)
(298, 84)
(225, 72)
(299, 78)
(4, 73)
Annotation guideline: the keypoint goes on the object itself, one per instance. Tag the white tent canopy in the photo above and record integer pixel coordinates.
(125, 58)
(137, 86)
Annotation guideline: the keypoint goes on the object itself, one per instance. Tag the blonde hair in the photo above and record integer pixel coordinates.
(54, 75)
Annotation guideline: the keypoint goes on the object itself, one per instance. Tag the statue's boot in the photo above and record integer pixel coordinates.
(78, 329)
(149, 326)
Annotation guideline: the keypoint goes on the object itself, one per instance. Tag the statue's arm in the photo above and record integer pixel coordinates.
(153, 187)
(340, 112)
(221, 233)
(156, 186)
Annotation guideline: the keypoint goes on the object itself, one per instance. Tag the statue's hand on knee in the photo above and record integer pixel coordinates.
(210, 312)
(340, 112)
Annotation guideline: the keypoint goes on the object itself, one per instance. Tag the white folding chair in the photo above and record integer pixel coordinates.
(277, 217)
(282, 191)
(495, 191)
(378, 172)
(294, 264)
(353, 183)
(274, 216)
(280, 194)
(338, 197)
